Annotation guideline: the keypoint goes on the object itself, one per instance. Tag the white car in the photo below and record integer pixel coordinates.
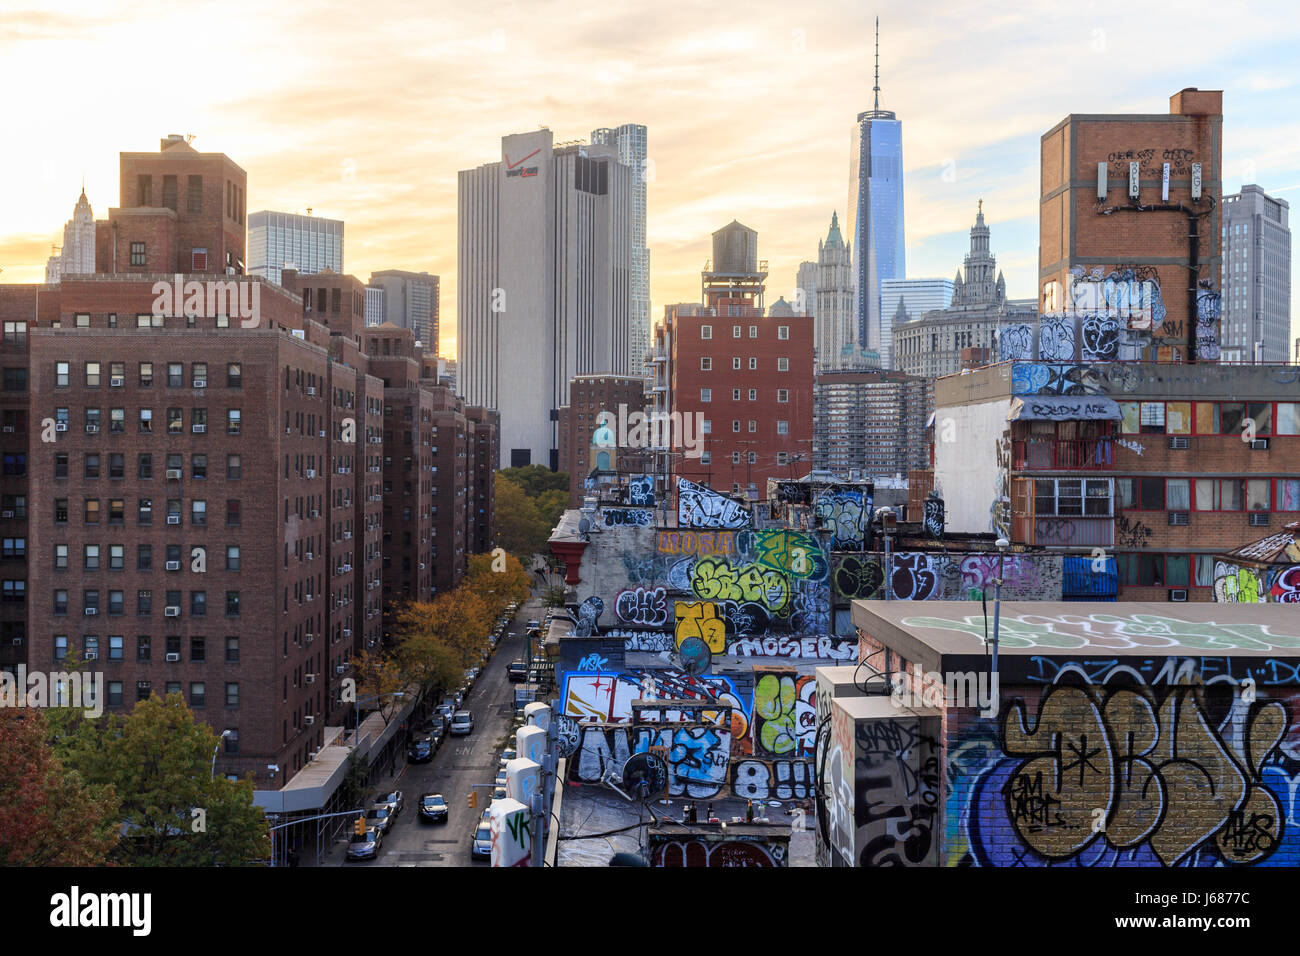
(462, 723)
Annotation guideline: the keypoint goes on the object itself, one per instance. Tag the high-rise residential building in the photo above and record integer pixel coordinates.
(875, 217)
(77, 254)
(410, 301)
(374, 305)
(229, 509)
(745, 377)
(907, 299)
(870, 423)
(931, 343)
(286, 240)
(1256, 277)
(630, 141)
(1128, 211)
(544, 285)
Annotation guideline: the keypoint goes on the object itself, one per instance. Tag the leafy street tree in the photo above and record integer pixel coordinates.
(537, 479)
(497, 588)
(521, 529)
(459, 621)
(48, 815)
(158, 760)
(379, 676)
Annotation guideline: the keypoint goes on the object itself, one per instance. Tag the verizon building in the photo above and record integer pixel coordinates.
(544, 278)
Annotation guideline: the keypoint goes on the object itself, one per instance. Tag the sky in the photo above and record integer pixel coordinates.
(365, 112)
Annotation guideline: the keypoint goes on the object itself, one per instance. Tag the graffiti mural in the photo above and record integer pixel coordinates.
(844, 514)
(633, 516)
(641, 491)
(896, 792)
(589, 613)
(1056, 339)
(753, 779)
(644, 606)
(696, 542)
(932, 520)
(699, 506)
(858, 577)
(701, 619)
(823, 647)
(915, 577)
(709, 851)
(1209, 307)
(1016, 343)
(784, 721)
(1286, 585)
(1237, 585)
(1099, 338)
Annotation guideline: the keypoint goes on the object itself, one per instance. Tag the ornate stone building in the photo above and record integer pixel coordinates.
(77, 257)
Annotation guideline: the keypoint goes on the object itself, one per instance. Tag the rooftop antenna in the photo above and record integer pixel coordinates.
(189, 138)
(877, 86)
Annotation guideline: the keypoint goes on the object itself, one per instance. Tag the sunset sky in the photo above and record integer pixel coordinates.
(365, 111)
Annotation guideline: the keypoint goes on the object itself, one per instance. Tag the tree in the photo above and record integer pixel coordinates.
(521, 530)
(536, 479)
(158, 760)
(48, 815)
(551, 506)
(497, 588)
(379, 676)
(459, 621)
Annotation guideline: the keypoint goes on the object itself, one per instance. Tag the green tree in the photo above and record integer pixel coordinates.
(158, 760)
(536, 479)
(521, 529)
(48, 815)
(497, 588)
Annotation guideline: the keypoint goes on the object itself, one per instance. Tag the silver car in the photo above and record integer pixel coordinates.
(462, 723)
(380, 818)
(365, 846)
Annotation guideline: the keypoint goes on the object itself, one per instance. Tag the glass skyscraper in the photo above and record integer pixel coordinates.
(875, 217)
(630, 141)
(277, 240)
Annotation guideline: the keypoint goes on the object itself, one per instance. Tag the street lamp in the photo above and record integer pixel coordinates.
(1002, 544)
(224, 735)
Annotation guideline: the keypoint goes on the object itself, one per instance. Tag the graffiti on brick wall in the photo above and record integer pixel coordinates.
(822, 647)
(915, 577)
(644, 606)
(1056, 340)
(1234, 584)
(1041, 379)
(1131, 532)
(589, 612)
(609, 697)
(731, 851)
(1099, 338)
(1024, 577)
(922, 576)
(699, 506)
(1000, 508)
(629, 516)
(698, 756)
(784, 718)
(1016, 342)
(896, 793)
(1127, 774)
(1286, 585)
(696, 542)
(641, 491)
(843, 513)
(1209, 307)
(755, 779)
(700, 619)
(932, 520)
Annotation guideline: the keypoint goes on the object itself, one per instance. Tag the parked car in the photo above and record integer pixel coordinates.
(420, 751)
(393, 800)
(446, 709)
(480, 842)
(365, 846)
(517, 671)
(501, 778)
(499, 793)
(433, 808)
(381, 818)
(462, 723)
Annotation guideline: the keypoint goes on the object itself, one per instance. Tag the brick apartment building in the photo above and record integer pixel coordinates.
(589, 395)
(746, 375)
(222, 506)
(869, 422)
(1148, 462)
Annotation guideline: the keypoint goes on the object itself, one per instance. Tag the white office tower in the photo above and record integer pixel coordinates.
(77, 255)
(828, 290)
(630, 141)
(286, 240)
(1256, 277)
(544, 270)
(374, 305)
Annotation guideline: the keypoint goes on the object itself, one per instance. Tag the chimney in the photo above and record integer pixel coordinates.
(171, 140)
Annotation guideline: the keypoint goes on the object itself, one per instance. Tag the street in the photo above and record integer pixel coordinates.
(458, 764)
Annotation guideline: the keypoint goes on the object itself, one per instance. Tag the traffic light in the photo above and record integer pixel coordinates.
(472, 800)
(359, 827)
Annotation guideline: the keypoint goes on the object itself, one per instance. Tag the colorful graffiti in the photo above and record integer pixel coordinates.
(822, 647)
(1286, 585)
(696, 542)
(641, 491)
(700, 619)
(843, 512)
(628, 516)
(1237, 585)
(699, 506)
(784, 718)
(754, 779)
(722, 851)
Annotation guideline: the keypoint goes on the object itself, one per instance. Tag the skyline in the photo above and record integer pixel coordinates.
(379, 145)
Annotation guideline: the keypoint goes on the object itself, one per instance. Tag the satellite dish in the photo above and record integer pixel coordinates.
(645, 776)
(694, 656)
(584, 526)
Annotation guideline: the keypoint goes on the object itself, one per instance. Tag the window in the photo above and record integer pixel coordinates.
(1232, 418)
(1072, 497)
(1178, 494)
(61, 601)
(735, 426)
(232, 557)
(198, 604)
(115, 602)
(137, 254)
(1220, 494)
(232, 650)
(232, 512)
(144, 466)
(92, 375)
(783, 332)
(144, 557)
(60, 647)
(116, 557)
(144, 512)
(782, 428)
(1257, 494)
(91, 515)
(783, 395)
(706, 331)
(735, 458)
(175, 375)
(61, 372)
(234, 468)
(706, 364)
(117, 466)
(706, 395)
(735, 331)
(735, 394)
(60, 510)
(175, 421)
(232, 694)
(234, 375)
(143, 603)
(783, 364)
(90, 557)
(198, 513)
(735, 363)
(1288, 494)
(60, 464)
(146, 374)
(198, 693)
(753, 331)
(232, 604)
(753, 364)
(143, 648)
(114, 691)
(15, 463)
(753, 426)
(199, 418)
(233, 422)
(60, 557)
(1288, 418)
(199, 466)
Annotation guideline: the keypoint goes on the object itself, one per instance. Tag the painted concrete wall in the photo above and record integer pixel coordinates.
(969, 480)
